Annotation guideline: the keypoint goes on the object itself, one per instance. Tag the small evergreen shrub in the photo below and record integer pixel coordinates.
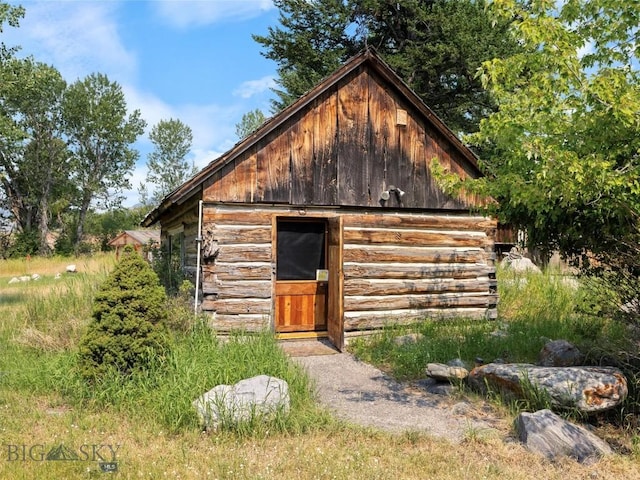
(128, 327)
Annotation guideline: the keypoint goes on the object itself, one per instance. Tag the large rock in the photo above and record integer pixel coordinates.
(519, 263)
(589, 389)
(261, 396)
(546, 433)
(559, 353)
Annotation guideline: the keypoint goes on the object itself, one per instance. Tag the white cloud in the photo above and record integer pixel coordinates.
(77, 37)
(212, 125)
(152, 108)
(185, 13)
(202, 158)
(253, 87)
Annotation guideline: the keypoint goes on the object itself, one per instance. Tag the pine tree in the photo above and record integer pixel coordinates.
(128, 326)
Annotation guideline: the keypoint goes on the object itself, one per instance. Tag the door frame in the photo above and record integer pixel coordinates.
(334, 263)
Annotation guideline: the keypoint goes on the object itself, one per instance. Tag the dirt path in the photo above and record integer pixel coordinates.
(361, 394)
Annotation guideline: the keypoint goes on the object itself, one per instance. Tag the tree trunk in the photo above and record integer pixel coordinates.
(82, 216)
(43, 220)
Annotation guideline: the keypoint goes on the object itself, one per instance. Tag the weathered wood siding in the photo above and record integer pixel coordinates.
(353, 142)
(184, 217)
(397, 267)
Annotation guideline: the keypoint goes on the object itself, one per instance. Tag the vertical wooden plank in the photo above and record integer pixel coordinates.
(303, 161)
(440, 148)
(300, 306)
(274, 259)
(416, 193)
(320, 308)
(235, 182)
(401, 166)
(325, 153)
(273, 168)
(432, 151)
(353, 151)
(382, 138)
(246, 177)
(218, 186)
(335, 304)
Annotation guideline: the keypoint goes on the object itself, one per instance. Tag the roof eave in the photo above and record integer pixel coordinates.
(186, 190)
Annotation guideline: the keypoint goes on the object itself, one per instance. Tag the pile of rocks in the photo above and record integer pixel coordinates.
(561, 380)
(28, 278)
(24, 278)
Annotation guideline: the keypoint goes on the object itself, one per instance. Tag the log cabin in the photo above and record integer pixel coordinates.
(142, 241)
(327, 220)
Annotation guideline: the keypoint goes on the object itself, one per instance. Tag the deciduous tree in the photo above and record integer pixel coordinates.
(9, 15)
(564, 149)
(36, 165)
(167, 164)
(249, 123)
(9, 134)
(100, 134)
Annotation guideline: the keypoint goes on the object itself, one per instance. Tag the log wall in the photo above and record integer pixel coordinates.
(237, 283)
(397, 267)
(400, 268)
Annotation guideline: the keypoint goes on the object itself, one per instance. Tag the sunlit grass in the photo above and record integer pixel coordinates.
(145, 450)
(40, 343)
(50, 266)
(532, 310)
(149, 417)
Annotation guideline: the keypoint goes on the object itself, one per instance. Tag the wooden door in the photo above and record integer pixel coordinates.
(301, 257)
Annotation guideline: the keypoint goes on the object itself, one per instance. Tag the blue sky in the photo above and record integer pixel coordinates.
(190, 60)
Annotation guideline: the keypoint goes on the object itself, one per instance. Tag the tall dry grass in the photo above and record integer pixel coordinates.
(50, 266)
(42, 340)
(149, 418)
(145, 450)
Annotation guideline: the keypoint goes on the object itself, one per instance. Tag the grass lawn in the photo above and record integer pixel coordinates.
(148, 427)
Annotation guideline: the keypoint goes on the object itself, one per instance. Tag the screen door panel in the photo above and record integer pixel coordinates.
(301, 300)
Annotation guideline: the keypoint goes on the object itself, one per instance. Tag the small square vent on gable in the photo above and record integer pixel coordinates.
(401, 117)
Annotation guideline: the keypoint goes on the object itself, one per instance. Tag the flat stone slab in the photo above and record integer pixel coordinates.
(589, 389)
(546, 433)
(446, 373)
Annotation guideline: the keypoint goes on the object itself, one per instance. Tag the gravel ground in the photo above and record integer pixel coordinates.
(360, 393)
